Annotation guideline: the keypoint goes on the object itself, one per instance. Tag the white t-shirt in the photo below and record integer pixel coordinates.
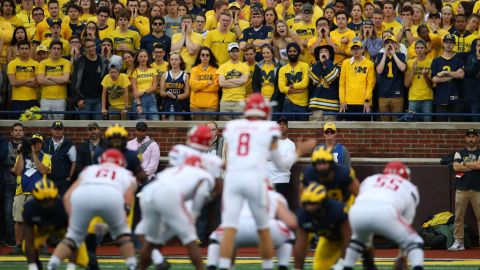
(281, 176)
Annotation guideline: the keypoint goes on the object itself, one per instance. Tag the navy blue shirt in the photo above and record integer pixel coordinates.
(326, 221)
(447, 92)
(337, 188)
(250, 34)
(390, 82)
(45, 218)
(149, 40)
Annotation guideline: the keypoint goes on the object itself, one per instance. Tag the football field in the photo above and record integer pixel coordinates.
(17, 263)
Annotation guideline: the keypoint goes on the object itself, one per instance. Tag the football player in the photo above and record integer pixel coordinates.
(112, 187)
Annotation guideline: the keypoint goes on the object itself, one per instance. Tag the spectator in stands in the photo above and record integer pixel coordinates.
(173, 22)
(280, 177)
(357, 79)
(293, 82)
(9, 13)
(88, 10)
(297, 12)
(199, 25)
(21, 74)
(187, 42)
(249, 57)
(9, 182)
(389, 22)
(204, 85)
(123, 38)
(447, 22)
(357, 21)
(53, 75)
(116, 8)
(238, 24)
(370, 40)
(473, 23)
(32, 164)
(91, 31)
(41, 53)
(107, 53)
(258, 34)
(75, 49)
(418, 80)
(75, 26)
(323, 38)
(141, 23)
(405, 35)
(43, 28)
(219, 39)
(220, 7)
(87, 149)
(144, 87)
(339, 151)
(434, 43)
(433, 22)
(156, 36)
(390, 67)
(323, 88)
(270, 17)
(174, 87)
(25, 17)
(368, 10)
(378, 22)
(343, 37)
(147, 148)
(305, 29)
(19, 34)
(64, 157)
(55, 27)
(463, 36)
(472, 81)
(232, 77)
(104, 22)
(467, 188)
(447, 71)
(87, 75)
(115, 87)
(192, 8)
(265, 77)
(159, 64)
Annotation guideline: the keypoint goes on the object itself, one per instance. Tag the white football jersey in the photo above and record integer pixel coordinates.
(390, 189)
(274, 198)
(210, 162)
(248, 143)
(184, 179)
(107, 174)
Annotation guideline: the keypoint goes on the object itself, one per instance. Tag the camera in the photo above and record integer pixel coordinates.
(26, 148)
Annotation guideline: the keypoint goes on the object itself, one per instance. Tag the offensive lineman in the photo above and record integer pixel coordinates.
(113, 188)
(281, 222)
(248, 143)
(386, 206)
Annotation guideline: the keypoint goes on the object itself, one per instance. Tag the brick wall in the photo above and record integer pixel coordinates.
(378, 140)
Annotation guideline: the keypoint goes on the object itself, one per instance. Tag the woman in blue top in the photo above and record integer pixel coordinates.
(174, 87)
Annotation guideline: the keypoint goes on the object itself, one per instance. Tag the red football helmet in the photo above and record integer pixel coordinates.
(398, 168)
(200, 137)
(194, 161)
(256, 106)
(112, 155)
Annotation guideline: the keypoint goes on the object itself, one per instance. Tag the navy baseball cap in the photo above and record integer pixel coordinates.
(57, 124)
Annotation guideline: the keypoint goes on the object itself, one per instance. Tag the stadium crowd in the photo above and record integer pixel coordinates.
(131, 59)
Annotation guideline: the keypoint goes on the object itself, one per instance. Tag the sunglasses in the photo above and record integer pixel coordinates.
(329, 131)
(158, 24)
(204, 54)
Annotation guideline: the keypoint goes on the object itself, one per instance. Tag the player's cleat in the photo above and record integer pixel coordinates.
(456, 246)
(282, 267)
(163, 266)
(211, 267)
(17, 250)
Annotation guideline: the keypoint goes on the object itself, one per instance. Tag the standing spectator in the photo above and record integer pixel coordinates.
(265, 79)
(21, 74)
(174, 87)
(144, 86)
(9, 182)
(19, 34)
(390, 66)
(43, 28)
(357, 20)
(123, 38)
(306, 29)
(249, 57)
(219, 39)
(105, 24)
(187, 42)
(217, 146)
(378, 22)
(107, 53)
(293, 82)
(200, 20)
(31, 165)
(55, 27)
(283, 36)
(339, 151)
(173, 22)
(419, 82)
(25, 16)
(87, 149)
(156, 36)
(141, 23)
(115, 87)
(220, 7)
(472, 81)
(464, 37)
(323, 89)
(238, 24)
(357, 79)
(405, 35)
(41, 53)
(53, 75)
(204, 85)
(75, 26)
(389, 21)
(343, 37)
(466, 165)
(64, 157)
(371, 42)
(258, 34)
(147, 148)
(323, 38)
(434, 43)
(87, 75)
(447, 71)
(280, 177)
(159, 61)
(233, 78)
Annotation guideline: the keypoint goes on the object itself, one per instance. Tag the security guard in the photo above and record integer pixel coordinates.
(326, 217)
(45, 216)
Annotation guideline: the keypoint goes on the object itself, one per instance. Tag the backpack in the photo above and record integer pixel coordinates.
(437, 231)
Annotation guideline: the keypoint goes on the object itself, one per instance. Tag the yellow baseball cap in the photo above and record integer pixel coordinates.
(329, 125)
(42, 48)
(390, 37)
(234, 4)
(356, 43)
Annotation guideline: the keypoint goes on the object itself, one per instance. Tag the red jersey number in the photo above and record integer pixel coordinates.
(243, 144)
(389, 183)
(106, 173)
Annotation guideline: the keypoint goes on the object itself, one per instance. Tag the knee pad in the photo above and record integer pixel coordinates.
(70, 244)
(127, 240)
(413, 246)
(357, 246)
(414, 241)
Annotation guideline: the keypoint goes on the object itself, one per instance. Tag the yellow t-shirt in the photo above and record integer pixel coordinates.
(144, 78)
(464, 44)
(218, 43)
(211, 22)
(43, 31)
(23, 70)
(305, 32)
(130, 38)
(288, 15)
(337, 36)
(248, 87)
(27, 21)
(419, 89)
(116, 90)
(110, 27)
(476, 8)
(395, 26)
(234, 71)
(58, 68)
(161, 69)
(267, 75)
(6, 33)
(187, 57)
(65, 45)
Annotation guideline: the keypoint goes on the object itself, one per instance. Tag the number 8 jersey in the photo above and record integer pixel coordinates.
(249, 143)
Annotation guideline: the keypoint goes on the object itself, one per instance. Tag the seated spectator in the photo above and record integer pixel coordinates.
(115, 93)
(144, 87)
(204, 85)
(174, 87)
